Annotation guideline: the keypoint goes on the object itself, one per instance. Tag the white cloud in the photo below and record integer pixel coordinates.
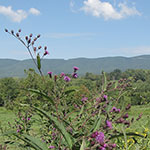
(106, 10)
(18, 15)
(34, 11)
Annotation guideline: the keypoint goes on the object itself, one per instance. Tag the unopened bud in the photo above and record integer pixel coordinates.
(34, 49)
(29, 41)
(45, 48)
(39, 47)
(19, 30)
(32, 42)
(35, 39)
(17, 34)
(26, 37)
(55, 78)
(6, 30)
(12, 32)
(31, 35)
(38, 36)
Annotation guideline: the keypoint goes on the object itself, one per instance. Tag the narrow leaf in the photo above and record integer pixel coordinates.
(59, 125)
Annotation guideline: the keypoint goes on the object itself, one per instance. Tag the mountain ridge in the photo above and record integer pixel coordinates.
(15, 68)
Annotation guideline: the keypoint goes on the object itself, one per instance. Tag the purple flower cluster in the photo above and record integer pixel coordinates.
(114, 109)
(66, 78)
(100, 138)
(74, 74)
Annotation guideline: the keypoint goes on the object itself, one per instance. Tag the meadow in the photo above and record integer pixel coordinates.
(67, 112)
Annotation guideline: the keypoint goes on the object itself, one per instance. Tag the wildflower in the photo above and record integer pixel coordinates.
(114, 109)
(74, 75)
(75, 68)
(50, 74)
(18, 130)
(6, 30)
(67, 79)
(139, 117)
(94, 134)
(55, 78)
(126, 115)
(117, 111)
(84, 99)
(38, 36)
(51, 147)
(62, 74)
(46, 53)
(128, 106)
(105, 97)
(100, 138)
(29, 119)
(120, 120)
(109, 124)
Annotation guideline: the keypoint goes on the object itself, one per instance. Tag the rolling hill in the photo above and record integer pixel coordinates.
(15, 68)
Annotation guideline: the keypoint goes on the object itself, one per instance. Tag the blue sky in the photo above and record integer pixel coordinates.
(77, 28)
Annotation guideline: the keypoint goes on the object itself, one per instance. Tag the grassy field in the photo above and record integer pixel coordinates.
(6, 116)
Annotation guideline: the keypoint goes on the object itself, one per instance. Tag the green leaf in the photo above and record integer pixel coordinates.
(40, 93)
(33, 142)
(59, 125)
(69, 91)
(83, 144)
(96, 123)
(38, 61)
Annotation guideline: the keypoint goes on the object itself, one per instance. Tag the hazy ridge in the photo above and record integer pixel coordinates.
(15, 68)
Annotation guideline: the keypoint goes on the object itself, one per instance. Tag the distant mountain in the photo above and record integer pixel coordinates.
(15, 68)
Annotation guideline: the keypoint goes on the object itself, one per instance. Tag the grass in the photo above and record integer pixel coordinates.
(9, 116)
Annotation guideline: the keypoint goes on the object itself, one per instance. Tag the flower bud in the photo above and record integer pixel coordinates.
(30, 35)
(17, 34)
(26, 37)
(19, 30)
(12, 32)
(6, 30)
(38, 36)
(39, 47)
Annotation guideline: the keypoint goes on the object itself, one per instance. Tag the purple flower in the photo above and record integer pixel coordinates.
(114, 109)
(18, 130)
(128, 106)
(46, 53)
(51, 147)
(29, 119)
(84, 99)
(67, 79)
(105, 97)
(126, 115)
(100, 138)
(109, 124)
(94, 134)
(117, 111)
(74, 75)
(50, 74)
(75, 68)
(62, 74)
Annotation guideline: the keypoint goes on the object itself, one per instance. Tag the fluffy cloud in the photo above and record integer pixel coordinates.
(34, 11)
(18, 15)
(98, 8)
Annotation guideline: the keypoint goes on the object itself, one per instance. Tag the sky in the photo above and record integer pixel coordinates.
(76, 28)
